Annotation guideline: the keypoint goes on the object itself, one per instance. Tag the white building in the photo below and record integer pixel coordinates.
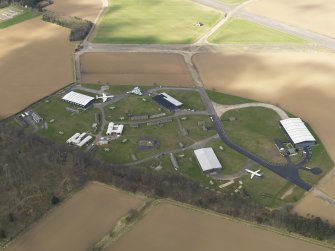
(78, 99)
(114, 129)
(298, 133)
(207, 159)
(79, 139)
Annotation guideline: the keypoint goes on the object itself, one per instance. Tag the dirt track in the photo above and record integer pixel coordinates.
(316, 16)
(78, 223)
(169, 227)
(135, 68)
(87, 9)
(36, 61)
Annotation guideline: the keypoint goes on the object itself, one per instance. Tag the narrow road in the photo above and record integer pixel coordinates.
(221, 109)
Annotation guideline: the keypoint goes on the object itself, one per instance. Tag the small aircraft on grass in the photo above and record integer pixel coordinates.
(254, 173)
(104, 97)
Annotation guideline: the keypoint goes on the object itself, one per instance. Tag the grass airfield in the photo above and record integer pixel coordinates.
(153, 22)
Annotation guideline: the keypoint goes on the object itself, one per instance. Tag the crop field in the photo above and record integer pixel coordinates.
(23, 83)
(198, 230)
(15, 14)
(313, 15)
(232, 1)
(86, 9)
(241, 31)
(135, 69)
(154, 22)
(78, 222)
(301, 83)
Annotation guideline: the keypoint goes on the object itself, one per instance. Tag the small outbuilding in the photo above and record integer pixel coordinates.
(297, 132)
(207, 160)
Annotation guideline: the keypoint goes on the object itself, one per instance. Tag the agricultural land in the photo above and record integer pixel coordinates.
(164, 79)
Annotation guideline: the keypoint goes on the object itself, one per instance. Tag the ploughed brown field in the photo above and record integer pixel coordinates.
(169, 227)
(79, 222)
(313, 15)
(87, 9)
(36, 60)
(135, 68)
(302, 83)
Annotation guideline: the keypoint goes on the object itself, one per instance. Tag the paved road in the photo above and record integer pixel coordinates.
(289, 171)
(305, 34)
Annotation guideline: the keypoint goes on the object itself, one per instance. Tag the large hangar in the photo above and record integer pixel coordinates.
(207, 160)
(167, 101)
(79, 99)
(298, 133)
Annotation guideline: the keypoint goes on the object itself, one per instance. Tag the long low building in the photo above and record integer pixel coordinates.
(79, 99)
(207, 160)
(298, 132)
(167, 101)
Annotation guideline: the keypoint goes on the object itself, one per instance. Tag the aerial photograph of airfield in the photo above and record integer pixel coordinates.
(167, 125)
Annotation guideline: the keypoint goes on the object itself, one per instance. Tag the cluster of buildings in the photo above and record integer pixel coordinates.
(114, 129)
(79, 139)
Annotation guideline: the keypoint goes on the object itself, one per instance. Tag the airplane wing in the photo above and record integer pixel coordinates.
(252, 176)
(104, 99)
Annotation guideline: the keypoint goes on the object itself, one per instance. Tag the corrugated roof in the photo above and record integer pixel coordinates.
(171, 99)
(207, 159)
(78, 98)
(297, 130)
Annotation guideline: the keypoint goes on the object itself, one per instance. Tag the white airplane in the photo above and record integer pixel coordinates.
(136, 91)
(254, 173)
(104, 97)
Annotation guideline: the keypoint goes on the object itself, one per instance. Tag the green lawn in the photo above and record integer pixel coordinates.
(255, 128)
(321, 159)
(190, 99)
(195, 131)
(231, 161)
(226, 99)
(168, 136)
(132, 105)
(154, 22)
(64, 120)
(241, 31)
(25, 14)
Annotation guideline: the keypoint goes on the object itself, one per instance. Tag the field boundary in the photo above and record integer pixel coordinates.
(245, 222)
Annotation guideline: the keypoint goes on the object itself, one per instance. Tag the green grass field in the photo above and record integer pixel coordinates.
(255, 128)
(132, 105)
(226, 99)
(196, 132)
(240, 31)
(154, 22)
(121, 152)
(25, 14)
(64, 120)
(191, 99)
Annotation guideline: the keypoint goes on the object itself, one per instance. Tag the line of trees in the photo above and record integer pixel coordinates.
(79, 27)
(36, 173)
